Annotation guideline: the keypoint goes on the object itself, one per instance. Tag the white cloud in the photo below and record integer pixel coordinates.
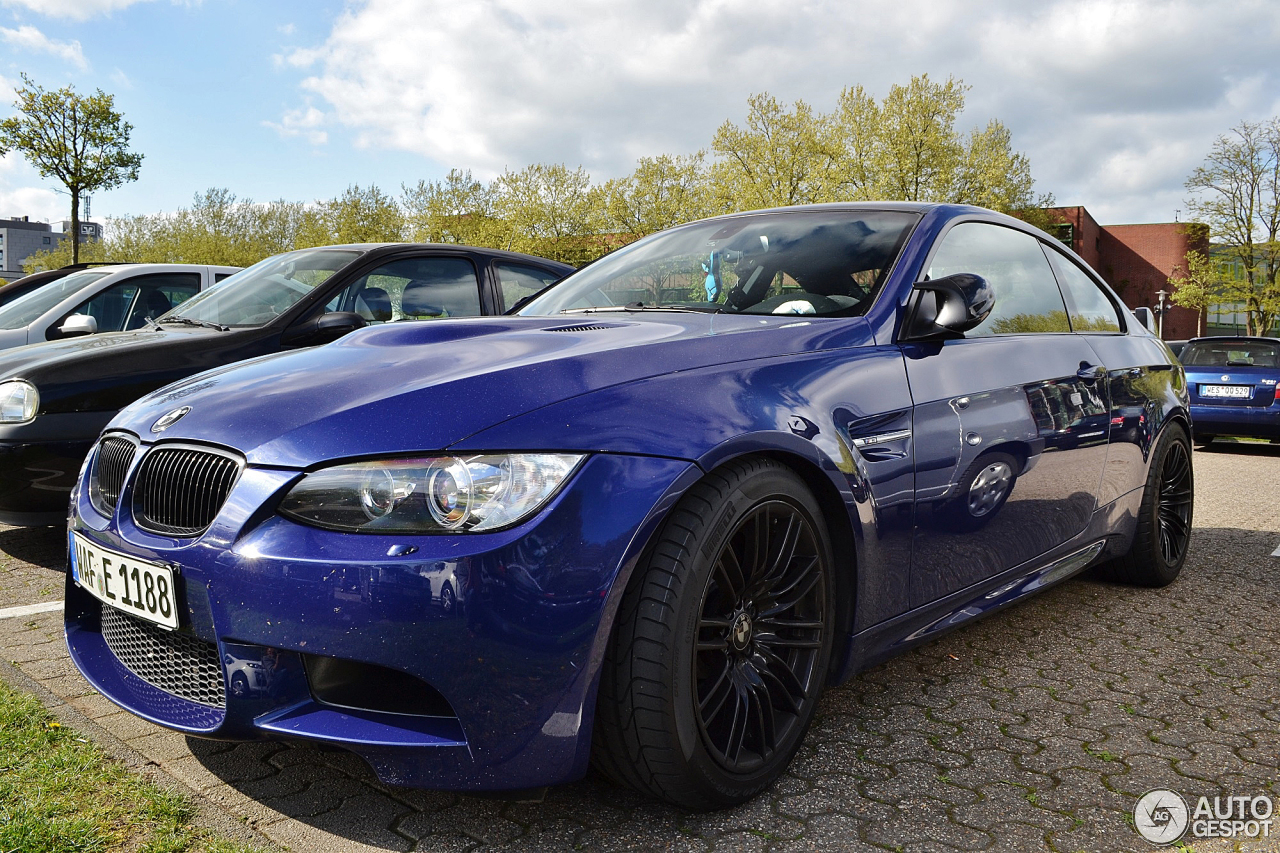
(28, 37)
(76, 10)
(305, 122)
(1114, 102)
(18, 196)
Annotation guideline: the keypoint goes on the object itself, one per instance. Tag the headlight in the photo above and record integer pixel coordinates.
(19, 401)
(442, 494)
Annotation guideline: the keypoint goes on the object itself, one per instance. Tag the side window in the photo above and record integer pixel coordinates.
(519, 281)
(1027, 295)
(413, 289)
(1091, 310)
(219, 276)
(157, 294)
(110, 306)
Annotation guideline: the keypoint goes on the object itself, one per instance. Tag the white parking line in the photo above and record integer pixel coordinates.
(30, 609)
(1276, 552)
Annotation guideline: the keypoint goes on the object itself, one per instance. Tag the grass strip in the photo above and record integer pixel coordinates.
(60, 793)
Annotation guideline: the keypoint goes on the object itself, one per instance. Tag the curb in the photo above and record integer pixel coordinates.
(208, 814)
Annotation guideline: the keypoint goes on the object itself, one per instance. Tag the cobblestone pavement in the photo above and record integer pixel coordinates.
(1036, 729)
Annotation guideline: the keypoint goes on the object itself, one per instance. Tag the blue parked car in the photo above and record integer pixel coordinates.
(674, 497)
(1234, 390)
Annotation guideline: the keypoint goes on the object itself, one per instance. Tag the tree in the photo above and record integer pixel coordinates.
(1237, 194)
(458, 209)
(551, 210)
(662, 192)
(1198, 285)
(80, 140)
(778, 159)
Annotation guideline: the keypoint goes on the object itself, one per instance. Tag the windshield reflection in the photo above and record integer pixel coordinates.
(257, 295)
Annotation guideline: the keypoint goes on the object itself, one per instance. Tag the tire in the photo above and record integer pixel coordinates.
(447, 599)
(697, 704)
(239, 685)
(1163, 532)
(982, 490)
(1204, 440)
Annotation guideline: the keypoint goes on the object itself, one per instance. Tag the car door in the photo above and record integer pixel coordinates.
(1142, 383)
(1009, 422)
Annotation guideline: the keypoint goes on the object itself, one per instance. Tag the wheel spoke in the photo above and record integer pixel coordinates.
(773, 668)
(713, 702)
(738, 728)
(794, 597)
(773, 640)
(730, 571)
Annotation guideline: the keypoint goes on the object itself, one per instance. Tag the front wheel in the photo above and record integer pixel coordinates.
(722, 642)
(1163, 532)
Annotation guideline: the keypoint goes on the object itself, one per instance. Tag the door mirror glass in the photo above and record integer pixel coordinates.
(1144, 317)
(78, 325)
(948, 307)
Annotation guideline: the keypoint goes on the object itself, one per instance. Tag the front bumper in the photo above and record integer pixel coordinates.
(1245, 421)
(514, 659)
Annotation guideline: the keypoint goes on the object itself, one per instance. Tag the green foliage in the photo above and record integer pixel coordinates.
(80, 140)
(1236, 193)
(905, 147)
(59, 793)
(1199, 285)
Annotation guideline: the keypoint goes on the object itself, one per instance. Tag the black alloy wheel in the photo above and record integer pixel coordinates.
(1173, 508)
(1162, 535)
(722, 642)
(760, 636)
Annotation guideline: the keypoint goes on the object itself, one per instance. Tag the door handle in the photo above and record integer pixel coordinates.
(1091, 372)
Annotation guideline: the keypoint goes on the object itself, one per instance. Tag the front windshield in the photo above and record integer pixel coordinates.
(1231, 354)
(826, 262)
(29, 307)
(257, 295)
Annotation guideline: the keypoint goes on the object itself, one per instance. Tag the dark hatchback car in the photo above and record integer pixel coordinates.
(56, 397)
(1235, 387)
(682, 491)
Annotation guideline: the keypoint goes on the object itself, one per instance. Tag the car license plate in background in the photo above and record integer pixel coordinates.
(1242, 392)
(134, 586)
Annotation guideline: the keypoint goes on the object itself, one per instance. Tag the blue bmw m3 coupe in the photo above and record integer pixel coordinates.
(643, 522)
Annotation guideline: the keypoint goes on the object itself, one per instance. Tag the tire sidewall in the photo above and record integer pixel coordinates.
(1166, 572)
(754, 489)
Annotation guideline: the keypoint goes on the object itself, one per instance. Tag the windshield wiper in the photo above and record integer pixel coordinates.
(637, 306)
(187, 321)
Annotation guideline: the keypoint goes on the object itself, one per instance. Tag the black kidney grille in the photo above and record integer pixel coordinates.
(115, 454)
(178, 490)
(176, 663)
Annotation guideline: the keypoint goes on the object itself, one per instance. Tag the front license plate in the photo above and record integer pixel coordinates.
(1242, 392)
(126, 583)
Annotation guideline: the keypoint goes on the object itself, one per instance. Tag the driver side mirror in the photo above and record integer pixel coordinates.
(1144, 317)
(78, 325)
(325, 328)
(947, 307)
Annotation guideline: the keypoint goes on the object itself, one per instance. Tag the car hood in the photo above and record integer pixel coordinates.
(413, 387)
(10, 338)
(104, 372)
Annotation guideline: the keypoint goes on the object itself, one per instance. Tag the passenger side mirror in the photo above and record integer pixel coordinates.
(1144, 317)
(78, 325)
(948, 307)
(325, 328)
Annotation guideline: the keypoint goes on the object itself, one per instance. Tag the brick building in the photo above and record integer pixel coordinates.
(1136, 260)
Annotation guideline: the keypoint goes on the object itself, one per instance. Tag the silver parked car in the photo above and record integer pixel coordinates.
(103, 299)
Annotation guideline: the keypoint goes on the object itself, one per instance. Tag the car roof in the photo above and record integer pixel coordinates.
(1230, 338)
(450, 247)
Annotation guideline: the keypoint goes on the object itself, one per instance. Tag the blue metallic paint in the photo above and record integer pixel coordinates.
(657, 399)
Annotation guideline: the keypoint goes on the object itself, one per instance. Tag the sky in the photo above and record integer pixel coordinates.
(1114, 102)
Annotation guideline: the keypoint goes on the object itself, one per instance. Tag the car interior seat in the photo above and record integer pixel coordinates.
(374, 304)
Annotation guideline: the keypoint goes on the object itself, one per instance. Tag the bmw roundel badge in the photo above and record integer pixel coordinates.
(169, 419)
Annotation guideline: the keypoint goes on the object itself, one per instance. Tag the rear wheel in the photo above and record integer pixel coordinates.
(722, 641)
(1163, 532)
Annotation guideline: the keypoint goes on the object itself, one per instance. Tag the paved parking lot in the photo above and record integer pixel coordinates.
(1036, 729)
